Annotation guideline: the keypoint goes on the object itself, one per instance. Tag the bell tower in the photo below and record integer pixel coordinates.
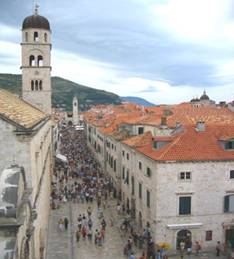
(75, 111)
(36, 61)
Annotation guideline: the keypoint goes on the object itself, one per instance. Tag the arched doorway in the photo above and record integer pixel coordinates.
(185, 236)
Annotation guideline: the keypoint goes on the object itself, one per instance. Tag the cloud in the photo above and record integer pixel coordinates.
(149, 89)
(195, 20)
(164, 50)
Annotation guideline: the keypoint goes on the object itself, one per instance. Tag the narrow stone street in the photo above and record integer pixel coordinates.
(81, 189)
(63, 244)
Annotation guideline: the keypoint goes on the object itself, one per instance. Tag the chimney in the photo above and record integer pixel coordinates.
(163, 120)
(200, 126)
(178, 124)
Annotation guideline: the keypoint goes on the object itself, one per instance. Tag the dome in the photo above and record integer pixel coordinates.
(194, 100)
(36, 21)
(204, 96)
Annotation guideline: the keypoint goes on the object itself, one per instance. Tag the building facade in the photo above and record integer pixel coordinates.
(26, 139)
(175, 167)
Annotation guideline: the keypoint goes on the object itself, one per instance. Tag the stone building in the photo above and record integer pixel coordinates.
(26, 138)
(175, 165)
(204, 100)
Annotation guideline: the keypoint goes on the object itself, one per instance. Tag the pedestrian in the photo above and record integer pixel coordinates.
(102, 232)
(218, 248)
(182, 246)
(90, 223)
(143, 256)
(77, 235)
(61, 225)
(79, 222)
(66, 222)
(84, 232)
(103, 223)
(197, 248)
(132, 256)
(90, 234)
(96, 237)
(99, 239)
(118, 208)
(89, 211)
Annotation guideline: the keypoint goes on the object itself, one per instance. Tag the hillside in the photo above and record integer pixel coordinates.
(63, 91)
(136, 100)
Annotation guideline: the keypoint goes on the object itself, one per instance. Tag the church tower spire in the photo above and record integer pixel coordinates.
(75, 111)
(36, 61)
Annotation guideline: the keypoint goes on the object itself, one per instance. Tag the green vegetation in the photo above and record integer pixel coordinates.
(63, 92)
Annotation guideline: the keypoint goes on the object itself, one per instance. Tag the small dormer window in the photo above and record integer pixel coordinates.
(229, 144)
(155, 145)
(159, 144)
(140, 130)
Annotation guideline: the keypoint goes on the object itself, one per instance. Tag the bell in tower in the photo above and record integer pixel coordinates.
(36, 61)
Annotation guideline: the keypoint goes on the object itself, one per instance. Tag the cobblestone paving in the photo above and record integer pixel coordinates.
(114, 240)
(58, 242)
(60, 247)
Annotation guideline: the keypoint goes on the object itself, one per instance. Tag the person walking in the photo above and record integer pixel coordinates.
(66, 222)
(218, 248)
(77, 235)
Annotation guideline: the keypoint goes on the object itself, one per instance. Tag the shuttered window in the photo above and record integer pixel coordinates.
(232, 174)
(185, 205)
(229, 203)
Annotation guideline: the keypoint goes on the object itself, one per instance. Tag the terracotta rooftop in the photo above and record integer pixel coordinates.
(140, 140)
(18, 111)
(191, 145)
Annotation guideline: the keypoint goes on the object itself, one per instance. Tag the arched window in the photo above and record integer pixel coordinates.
(36, 88)
(45, 37)
(26, 36)
(36, 37)
(40, 61)
(32, 61)
(32, 85)
(40, 85)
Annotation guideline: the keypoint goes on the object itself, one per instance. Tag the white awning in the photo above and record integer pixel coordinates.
(62, 157)
(188, 225)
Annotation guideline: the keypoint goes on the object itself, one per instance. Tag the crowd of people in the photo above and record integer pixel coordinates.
(80, 180)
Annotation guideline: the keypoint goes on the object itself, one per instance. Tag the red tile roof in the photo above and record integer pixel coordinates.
(191, 145)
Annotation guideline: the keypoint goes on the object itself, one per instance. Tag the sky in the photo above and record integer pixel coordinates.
(166, 51)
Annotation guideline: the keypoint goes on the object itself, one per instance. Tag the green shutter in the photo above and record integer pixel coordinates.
(226, 203)
(185, 205)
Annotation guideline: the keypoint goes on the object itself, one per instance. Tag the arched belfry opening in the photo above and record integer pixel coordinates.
(36, 36)
(45, 37)
(32, 61)
(40, 61)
